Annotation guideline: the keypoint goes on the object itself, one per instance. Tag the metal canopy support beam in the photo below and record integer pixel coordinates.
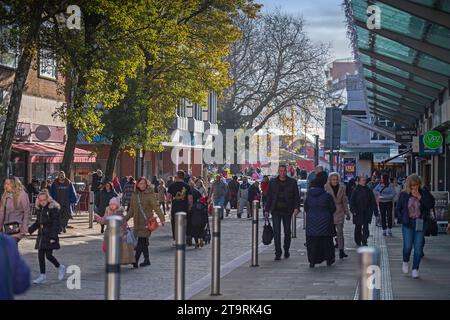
(394, 112)
(427, 48)
(395, 115)
(424, 12)
(403, 102)
(402, 92)
(429, 91)
(429, 75)
(397, 108)
(371, 127)
(391, 116)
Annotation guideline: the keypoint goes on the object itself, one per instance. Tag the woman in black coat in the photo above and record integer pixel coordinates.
(102, 200)
(362, 205)
(48, 225)
(319, 208)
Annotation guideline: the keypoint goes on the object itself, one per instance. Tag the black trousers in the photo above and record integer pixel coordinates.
(163, 205)
(142, 248)
(361, 233)
(188, 227)
(46, 253)
(197, 232)
(277, 220)
(386, 211)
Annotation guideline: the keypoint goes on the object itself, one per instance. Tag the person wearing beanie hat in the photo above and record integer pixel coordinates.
(319, 208)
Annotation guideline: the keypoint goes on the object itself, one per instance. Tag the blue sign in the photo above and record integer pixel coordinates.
(425, 151)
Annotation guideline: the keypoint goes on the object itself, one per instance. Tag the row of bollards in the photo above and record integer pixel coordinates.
(369, 257)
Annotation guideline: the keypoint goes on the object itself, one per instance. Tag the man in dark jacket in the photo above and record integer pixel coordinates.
(233, 188)
(63, 192)
(362, 205)
(283, 200)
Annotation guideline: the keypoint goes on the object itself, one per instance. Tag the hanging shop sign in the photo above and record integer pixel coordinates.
(405, 135)
(431, 143)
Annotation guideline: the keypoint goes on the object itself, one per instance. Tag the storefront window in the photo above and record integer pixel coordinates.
(18, 166)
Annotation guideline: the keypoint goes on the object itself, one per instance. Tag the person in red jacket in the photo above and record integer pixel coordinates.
(264, 188)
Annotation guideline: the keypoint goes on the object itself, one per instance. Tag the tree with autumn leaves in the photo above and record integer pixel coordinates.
(129, 59)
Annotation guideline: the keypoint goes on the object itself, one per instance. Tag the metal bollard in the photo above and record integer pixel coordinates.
(294, 226)
(215, 272)
(91, 209)
(255, 233)
(113, 254)
(370, 273)
(180, 255)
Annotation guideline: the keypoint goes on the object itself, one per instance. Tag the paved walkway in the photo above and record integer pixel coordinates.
(293, 279)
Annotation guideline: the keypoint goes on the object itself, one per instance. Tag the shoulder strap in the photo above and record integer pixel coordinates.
(4, 211)
(140, 207)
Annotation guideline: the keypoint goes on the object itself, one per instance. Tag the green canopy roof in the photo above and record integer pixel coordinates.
(406, 63)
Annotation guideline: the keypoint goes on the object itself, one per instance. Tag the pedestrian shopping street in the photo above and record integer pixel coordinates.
(286, 279)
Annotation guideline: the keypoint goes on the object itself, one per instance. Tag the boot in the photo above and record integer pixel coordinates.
(145, 263)
(342, 254)
(335, 243)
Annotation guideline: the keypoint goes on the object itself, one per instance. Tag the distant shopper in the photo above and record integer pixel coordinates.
(96, 181)
(123, 182)
(264, 189)
(218, 192)
(63, 192)
(117, 186)
(169, 182)
(337, 191)
(385, 193)
(200, 187)
(48, 225)
(15, 211)
(398, 190)
(199, 216)
(179, 195)
(413, 212)
(14, 272)
(233, 189)
(130, 187)
(313, 174)
(243, 198)
(283, 202)
(254, 193)
(33, 189)
(143, 205)
(303, 174)
(162, 195)
(319, 208)
(102, 200)
(363, 206)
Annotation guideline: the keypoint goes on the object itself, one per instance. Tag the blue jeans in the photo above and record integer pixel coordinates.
(221, 203)
(413, 238)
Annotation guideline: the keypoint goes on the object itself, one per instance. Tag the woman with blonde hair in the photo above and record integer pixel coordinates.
(413, 212)
(338, 192)
(15, 211)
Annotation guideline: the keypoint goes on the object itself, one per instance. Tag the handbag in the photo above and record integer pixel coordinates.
(11, 227)
(267, 234)
(127, 256)
(432, 227)
(152, 223)
(131, 237)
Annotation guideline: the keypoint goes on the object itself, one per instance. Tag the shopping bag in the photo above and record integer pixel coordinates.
(131, 237)
(127, 254)
(267, 235)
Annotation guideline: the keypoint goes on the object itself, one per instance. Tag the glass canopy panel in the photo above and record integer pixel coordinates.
(389, 81)
(433, 64)
(363, 38)
(359, 9)
(394, 49)
(383, 98)
(368, 73)
(445, 4)
(365, 59)
(439, 36)
(388, 68)
(420, 93)
(427, 83)
(384, 90)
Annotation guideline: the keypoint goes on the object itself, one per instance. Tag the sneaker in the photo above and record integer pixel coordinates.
(61, 272)
(384, 233)
(415, 273)
(405, 267)
(41, 279)
(390, 232)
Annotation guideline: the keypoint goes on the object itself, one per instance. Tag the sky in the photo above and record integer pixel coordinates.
(325, 21)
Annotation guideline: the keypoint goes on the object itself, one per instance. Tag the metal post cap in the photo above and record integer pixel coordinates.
(181, 213)
(367, 250)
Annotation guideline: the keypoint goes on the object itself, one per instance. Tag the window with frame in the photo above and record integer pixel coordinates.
(9, 53)
(47, 64)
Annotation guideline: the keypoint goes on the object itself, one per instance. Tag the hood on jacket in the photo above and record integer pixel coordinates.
(52, 204)
(120, 210)
(316, 192)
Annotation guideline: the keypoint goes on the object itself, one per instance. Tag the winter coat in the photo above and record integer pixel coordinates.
(162, 193)
(96, 181)
(14, 272)
(319, 208)
(233, 187)
(341, 202)
(48, 225)
(427, 203)
(243, 191)
(102, 200)
(127, 192)
(291, 192)
(363, 205)
(72, 195)
(21, 214)
(119, 212)
(254, 193)
(149, 205)
(199, 213)
(384, 193)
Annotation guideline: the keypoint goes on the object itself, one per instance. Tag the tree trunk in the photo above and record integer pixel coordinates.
(112, 157)
(21, 74)
(69, 150)
(142, 162)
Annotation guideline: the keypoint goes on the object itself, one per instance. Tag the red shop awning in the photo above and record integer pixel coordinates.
(52, 153)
